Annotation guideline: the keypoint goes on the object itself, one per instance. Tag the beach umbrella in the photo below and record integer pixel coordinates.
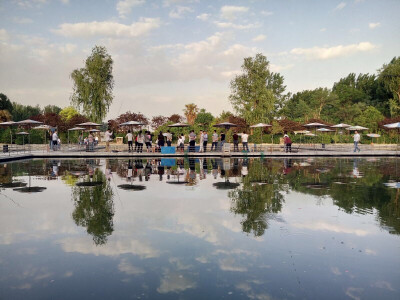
(89, 124)
(45, 128)
(179, 125)
(373, 135)
(23, 133)
(393, 125)
(315, 125)
(225, 125)
(325, 130)
(262, 126)
(341, 125)
(353, 128)
(28, 123)
(132, 123)
(94, 130)
(9, 124)
(74, 129)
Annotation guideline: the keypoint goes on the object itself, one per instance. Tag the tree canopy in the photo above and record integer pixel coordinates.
(93, 85)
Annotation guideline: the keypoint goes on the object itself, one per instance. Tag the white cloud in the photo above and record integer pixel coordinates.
(30, 3)
(235, 26)
(22, 20)
(374, 25)
(323, 53)
(266, 13)
(178, 11)
(322, 29)
(108, 29)
(3, 35)
(124, 7)
(231, 12)
(340, 6)
(259, 38)
(203, 17)
(65, 1)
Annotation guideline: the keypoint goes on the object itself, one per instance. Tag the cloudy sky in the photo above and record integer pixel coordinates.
(172, 52)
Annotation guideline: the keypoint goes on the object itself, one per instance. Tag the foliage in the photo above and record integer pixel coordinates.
(370, 118)
(67, 113)
(275, 129)
(23, 112)
(93, 85)
(257, 93)
(204, 117)
(390, 76)
(157, 121)
(190, 112)
(5, 115)
(175, 118)
(51, 109)
(288, 125)
(5, 103)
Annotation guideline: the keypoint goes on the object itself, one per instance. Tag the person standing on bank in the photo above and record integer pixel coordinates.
(235, 142)
(205, 140)
(245, 139)
(129, 137)
(356, 138)
(201, 141)
(54, 138)
(108, 138)
(287, 142)
(222, 140)
(169, 138)
(192, 141)
(140, 140)
(214, 141)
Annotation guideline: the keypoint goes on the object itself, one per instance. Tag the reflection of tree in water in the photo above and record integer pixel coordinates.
(94, 207)
(259, 197)
(362, 194)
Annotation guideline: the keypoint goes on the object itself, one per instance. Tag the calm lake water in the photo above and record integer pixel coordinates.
(200, 229)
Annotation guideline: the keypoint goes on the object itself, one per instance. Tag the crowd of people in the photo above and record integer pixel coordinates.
(137, 142)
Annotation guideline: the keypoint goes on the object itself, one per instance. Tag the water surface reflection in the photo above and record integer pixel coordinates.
(200, 228)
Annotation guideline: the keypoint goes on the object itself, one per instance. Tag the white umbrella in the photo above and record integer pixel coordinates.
(74, 129)
(315, 125)
(179, 125)
(341, 125)
(373, 135)
(132, 123)
(94, 130)
(43, 127)
(393, 125)
(23, 133)
(325, 130)
(89, 124)
(226, 125)
(29, 122)
(352, 128)
(260, 125)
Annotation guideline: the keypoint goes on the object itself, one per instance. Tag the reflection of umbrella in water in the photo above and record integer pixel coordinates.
(394, 185)
(89, 183)
(15, 184)
(132, 187)
(226, 185)
(30, 189)
(178, 182)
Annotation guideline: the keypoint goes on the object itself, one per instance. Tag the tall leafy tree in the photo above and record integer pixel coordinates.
(51, 109)
(191, 110)
(390, 76)
(5, 103)
(93, 85)
(257, 93)
(204, 117)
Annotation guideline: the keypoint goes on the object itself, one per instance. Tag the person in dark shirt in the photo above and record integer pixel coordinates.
(235, 142)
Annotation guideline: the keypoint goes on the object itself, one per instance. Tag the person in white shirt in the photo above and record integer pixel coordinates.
(181, 142)
(356, 138)
(205, 140)
(168, 135)
(108, 138)
(140, 141)
(129, 137)
(245, 138)
(54, 138)
(214, 141)
(201, 141)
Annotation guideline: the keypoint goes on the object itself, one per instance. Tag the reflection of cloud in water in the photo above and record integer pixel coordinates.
(370, 252)
(202, 259)
(126, 267)
(112, 248)
(324, 226)
(384, 285)
(175, 282)
(179, 265)
(336, 271)
(228, 264)
(353, 291)
(24, 286)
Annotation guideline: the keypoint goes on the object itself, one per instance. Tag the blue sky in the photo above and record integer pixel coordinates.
(172, 52)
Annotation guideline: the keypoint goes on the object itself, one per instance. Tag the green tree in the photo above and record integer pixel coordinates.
(5, 103)
(51, 109)
(93, 85)
(204, 117)
(276, 128)
(67, 113)
(22, 112)
(190, 112)
(390, 76)
(257, 94)
(370, 118)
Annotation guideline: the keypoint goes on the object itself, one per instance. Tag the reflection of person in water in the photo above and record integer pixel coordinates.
(56, 164)
(139, 169)
(356, 172)
(130, 170)
(147, 171)
(214, 168)
(161, 170)
(287, 166)
(245, 170)
(108, 170)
